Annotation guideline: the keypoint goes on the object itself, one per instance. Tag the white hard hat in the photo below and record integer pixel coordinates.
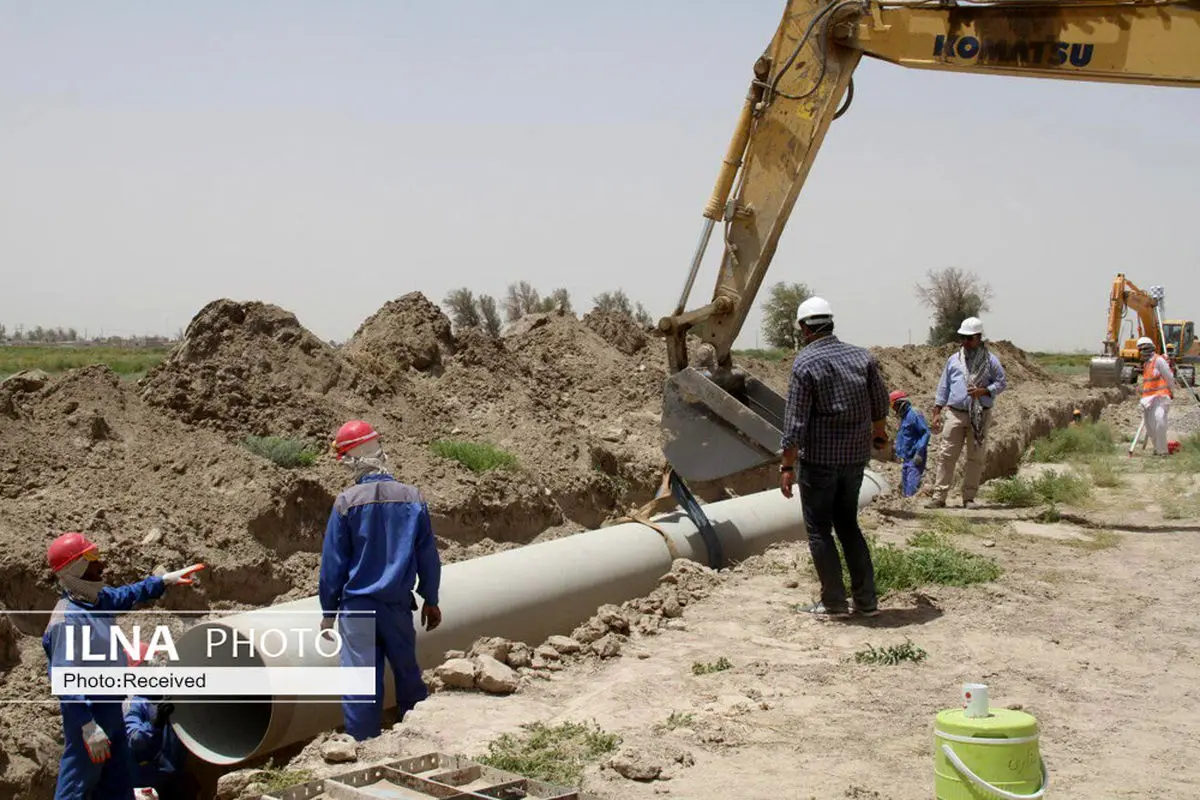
(971, 326)
(1145, 341)
(814, 309)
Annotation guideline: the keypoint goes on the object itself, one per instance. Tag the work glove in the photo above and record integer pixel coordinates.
(96, 741)
(181, 576)
(162, 712)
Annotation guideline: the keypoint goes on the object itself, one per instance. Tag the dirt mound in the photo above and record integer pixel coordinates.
(618, 330)
(158, 475)
(252, 368)
(917, 368)
(407, 333)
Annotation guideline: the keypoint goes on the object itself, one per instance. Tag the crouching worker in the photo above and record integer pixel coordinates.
(96, 760)
(157, 752)
(378, 542)
(912, 443)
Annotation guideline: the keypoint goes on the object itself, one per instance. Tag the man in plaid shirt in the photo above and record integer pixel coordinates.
(837, 404)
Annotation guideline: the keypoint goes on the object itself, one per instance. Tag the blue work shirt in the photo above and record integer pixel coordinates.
(913, 435)
(952, 387)
(157, 752)
(79, 619)
(378, 541)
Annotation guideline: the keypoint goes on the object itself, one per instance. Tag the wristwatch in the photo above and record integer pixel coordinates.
(783, 468)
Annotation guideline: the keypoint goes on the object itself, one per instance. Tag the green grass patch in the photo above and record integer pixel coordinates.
(1050, 487)
(766, 354)
(720, 665)
(679, 719)
(1049, 515)
(276, 779)
(475, 456)
(1015, 492)
(1104, 473)
(126, 361)
(1061, 487)
(928, 559)
(1187, 460)
(891, 655)
(555, 754)
(1086, 439)
(287, 453)
(1063, 360)
(953, 525)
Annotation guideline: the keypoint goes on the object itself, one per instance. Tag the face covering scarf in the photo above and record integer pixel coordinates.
(77, 588)
(978, 366)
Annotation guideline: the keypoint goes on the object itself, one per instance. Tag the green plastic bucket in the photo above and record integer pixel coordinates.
(988, 757)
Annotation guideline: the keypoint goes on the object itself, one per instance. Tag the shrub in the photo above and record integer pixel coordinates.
(927, 560)
(1076, 440)
(556, 754)
(287, 453)
(891, 655)
(475, 456)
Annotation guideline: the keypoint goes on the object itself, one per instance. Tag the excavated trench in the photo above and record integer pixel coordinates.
(165, 480)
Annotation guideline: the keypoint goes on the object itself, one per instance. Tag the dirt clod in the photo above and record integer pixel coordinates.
(339, 749)
(607, 646)
(494, 677)
(457, 673)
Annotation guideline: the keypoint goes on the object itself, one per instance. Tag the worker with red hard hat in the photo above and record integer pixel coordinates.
(96, 760)
(912, 442)
(379, 541)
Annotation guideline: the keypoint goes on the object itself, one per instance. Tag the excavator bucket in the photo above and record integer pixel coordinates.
(710, 433)
(1105, 371)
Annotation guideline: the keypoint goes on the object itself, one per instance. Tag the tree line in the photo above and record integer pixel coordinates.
(482, 312)
(951, 294)
(57, 336)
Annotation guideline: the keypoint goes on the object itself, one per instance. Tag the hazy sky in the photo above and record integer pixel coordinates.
(328, 157)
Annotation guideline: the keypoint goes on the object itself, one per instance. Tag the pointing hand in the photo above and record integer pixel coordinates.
(182, 576)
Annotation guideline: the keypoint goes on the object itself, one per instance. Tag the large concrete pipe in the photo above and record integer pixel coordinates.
(524, 594)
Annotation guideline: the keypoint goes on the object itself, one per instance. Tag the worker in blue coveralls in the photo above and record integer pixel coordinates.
(157, 752)
(96, 761)
(912, 443)
(378, 542)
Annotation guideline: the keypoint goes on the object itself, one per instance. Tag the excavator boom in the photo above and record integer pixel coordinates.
(718, 420)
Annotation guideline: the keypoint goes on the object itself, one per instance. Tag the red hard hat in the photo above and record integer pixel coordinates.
(897, 395)
(67, 548)
(351, 435)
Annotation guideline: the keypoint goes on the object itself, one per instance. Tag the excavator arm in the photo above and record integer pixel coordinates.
(717, 419)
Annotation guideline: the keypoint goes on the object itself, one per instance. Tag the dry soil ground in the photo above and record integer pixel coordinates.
(1090, 628)
(157, 472)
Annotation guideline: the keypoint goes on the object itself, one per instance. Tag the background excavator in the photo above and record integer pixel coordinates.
(1176, 338)
(718, 420)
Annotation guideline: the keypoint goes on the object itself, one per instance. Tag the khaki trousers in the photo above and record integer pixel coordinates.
(956, 432)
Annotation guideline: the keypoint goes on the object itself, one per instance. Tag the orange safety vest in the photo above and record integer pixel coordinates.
(1153, 384)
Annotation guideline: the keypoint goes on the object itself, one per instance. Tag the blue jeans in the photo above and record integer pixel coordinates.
(829, 496)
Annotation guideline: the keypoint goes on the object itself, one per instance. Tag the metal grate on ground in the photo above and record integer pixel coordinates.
(433, 775)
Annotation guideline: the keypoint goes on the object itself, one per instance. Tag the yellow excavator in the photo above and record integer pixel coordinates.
(1175, 338)
(718, 420)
